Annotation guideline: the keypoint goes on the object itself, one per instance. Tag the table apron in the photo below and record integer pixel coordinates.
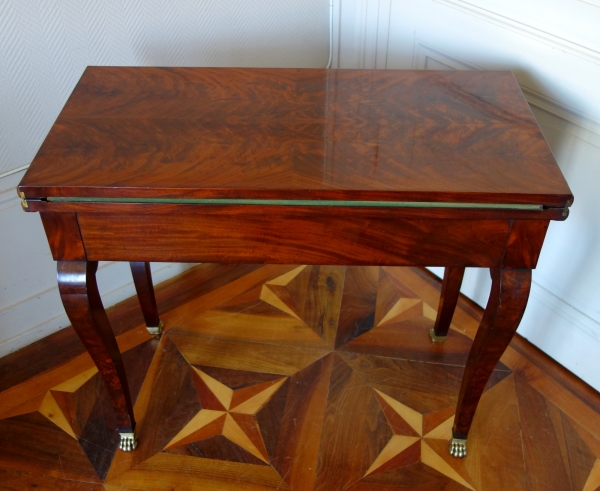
(313, 239)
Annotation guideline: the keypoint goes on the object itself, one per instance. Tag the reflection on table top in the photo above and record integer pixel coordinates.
(297, 134)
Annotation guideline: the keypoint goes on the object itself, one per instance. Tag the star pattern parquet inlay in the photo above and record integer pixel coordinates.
(229, 413)
(400, 450)
(298, 378)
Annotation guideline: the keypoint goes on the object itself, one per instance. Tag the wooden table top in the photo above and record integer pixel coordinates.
(306, 134)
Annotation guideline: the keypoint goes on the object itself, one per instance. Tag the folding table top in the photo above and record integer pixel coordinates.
(462, 138)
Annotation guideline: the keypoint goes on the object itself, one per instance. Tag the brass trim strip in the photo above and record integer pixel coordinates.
(300, 202)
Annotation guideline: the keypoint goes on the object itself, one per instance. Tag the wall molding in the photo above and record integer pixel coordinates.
(590, 127)
(545, 298)
(564, 333)
(8, 185)
(14, 171)
(556, 108)
(574, 325)
(585, 52)
(365, 45)
(40, 312)
(594, 3)
(565, 310)
(8, 199)
(43, 313)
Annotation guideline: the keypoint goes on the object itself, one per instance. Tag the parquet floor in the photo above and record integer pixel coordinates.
(294, 378)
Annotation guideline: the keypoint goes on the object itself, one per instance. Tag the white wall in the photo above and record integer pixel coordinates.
(554, 49)
(553, 46)
(44, 48)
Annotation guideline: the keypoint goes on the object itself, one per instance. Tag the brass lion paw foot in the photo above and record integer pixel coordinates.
(458, 447)
(128, 442)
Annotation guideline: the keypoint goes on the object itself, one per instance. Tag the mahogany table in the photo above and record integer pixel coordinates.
(296, 166)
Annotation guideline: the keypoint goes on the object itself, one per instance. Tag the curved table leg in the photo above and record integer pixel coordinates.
(453, 277)
(81, 299)
(507, 302)
(142, 278)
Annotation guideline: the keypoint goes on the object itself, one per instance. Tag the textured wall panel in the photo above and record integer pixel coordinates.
(46, 44)
(553, 46)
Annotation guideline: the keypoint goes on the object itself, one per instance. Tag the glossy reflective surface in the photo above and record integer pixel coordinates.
(365, 405)
(297, 134)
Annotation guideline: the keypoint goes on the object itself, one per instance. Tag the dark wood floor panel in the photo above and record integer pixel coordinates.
(295, 378)
(17, 481)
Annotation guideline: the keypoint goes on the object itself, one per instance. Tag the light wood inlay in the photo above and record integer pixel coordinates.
(197, 427)
(593, 480)
(221, 392)
(404, 305)
(434, 446)
(286, 278)
(395, 446)
(271, 294)
(374, 413)
(241, 436)
(412, 417)
(436, 461)
(51, 410)
(255, 403)
(443, 431)
(76, 382)
(236, 422)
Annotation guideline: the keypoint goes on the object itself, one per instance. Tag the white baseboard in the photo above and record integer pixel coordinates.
(560, 330)
(30, 306)
(42, 314)
(564, 333)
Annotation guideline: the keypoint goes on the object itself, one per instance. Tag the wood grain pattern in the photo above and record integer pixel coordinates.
(272, 357)
(545, 431)
(400, 318)
(80, 296)
(142, 279)
(545, 364)
(166, 416)
(340, 464)
(42, 452)
(359, 299)
(319, 237)
(35, 359)
(507, 302)
(167, 470)
(17, 481)
(294, 133)
(300, 437)
(432, 137)
(211, 285)
(449, 297)
(525, 244)
(64, 237)
(344, 418)
(500, 419)
(404, 339)
(316, 295)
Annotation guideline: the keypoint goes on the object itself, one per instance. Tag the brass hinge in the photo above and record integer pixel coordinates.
(566, 209)
(23, 200)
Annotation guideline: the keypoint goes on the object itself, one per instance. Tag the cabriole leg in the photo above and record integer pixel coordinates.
(507, 302)
(142, 278)
(453, 277)
(81, 299)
